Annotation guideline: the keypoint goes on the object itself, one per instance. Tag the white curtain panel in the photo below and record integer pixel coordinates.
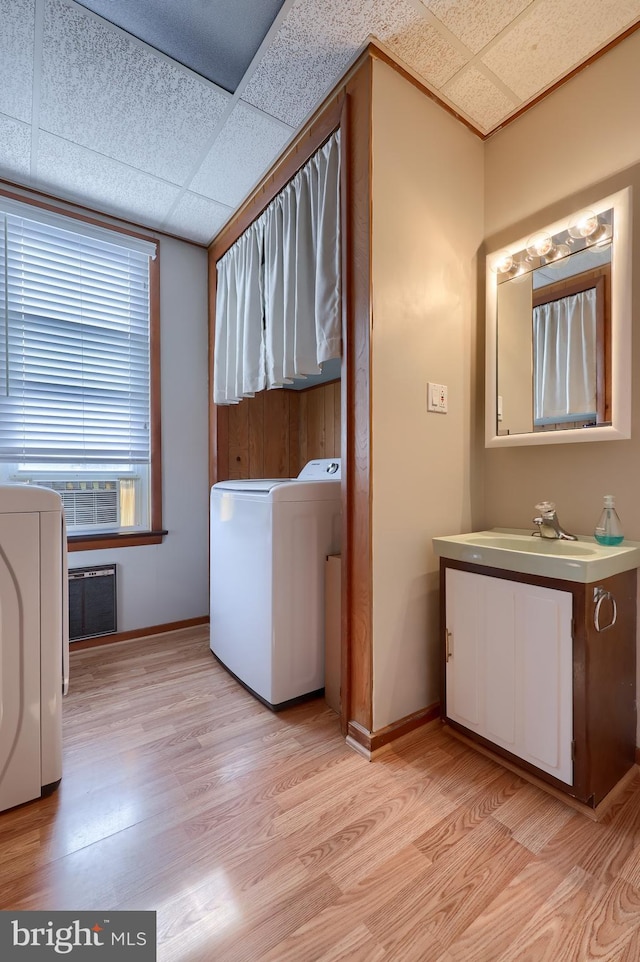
(278, 302)
(239, 346)
(565, 358)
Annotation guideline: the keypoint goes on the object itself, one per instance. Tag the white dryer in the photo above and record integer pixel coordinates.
(269, 541)
(34, 641)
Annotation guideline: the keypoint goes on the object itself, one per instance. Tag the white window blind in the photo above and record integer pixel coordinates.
(74, 333)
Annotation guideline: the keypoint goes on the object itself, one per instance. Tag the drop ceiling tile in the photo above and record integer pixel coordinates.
(245, 149)
(110, 93)
(553, 38)
(310, 51)
(17, 19)
(479, 99)
(197, 218)
(78, 174)
(320, 38)
(15, 156)
(415, 41)
(475, 24)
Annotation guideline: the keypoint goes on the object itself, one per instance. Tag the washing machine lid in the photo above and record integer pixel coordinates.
(319, 470)
(257, 486)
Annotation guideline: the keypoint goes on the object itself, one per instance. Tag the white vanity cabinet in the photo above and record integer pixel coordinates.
(540, 674)
(509, 657)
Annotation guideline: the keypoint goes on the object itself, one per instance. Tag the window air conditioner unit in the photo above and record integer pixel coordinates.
(90, 503)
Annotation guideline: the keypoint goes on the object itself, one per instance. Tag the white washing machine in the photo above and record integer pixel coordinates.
(34, 641)
(269, 541)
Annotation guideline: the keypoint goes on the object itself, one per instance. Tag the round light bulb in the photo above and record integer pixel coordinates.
(540, 244)
(583, 224)
(558, 253)
(502, 263)
(600, 238)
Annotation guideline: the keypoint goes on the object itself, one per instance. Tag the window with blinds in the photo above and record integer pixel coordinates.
(74, 354)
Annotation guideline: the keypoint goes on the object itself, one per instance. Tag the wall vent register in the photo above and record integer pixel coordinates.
(92, 601)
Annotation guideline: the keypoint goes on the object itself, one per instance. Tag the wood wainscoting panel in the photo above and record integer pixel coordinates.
(239, 466)
(256, 453)
(275, 433)
(313, 437)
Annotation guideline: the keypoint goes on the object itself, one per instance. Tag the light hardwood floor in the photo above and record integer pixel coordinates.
(263, 837)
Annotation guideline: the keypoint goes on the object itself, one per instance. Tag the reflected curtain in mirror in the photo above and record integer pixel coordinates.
(564, 354)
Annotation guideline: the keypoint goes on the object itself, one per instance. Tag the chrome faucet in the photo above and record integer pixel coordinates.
(548, 524)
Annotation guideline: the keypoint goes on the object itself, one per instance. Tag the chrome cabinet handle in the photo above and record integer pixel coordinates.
(600, 595)
(449, 647)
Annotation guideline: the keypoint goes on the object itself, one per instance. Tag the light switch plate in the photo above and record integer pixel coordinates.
(437, 398)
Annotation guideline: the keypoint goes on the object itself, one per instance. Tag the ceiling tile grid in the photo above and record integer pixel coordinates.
(196, 218)
(414, 40)
(120, 127)
(314, 45)
(247, 145)
(553, 38)
(106, 91)
(476, 24)
(17, 28)
(485, 104)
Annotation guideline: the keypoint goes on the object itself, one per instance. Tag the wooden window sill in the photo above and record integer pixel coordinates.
(88, 542)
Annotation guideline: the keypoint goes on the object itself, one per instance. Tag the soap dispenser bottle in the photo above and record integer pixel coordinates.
(608, 529)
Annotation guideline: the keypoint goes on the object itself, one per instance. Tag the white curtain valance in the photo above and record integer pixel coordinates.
(278, 300)
(565, 358)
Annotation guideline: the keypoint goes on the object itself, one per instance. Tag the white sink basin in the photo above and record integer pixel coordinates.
(516, 550)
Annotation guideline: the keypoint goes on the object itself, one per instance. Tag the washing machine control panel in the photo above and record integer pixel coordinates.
(322, 469)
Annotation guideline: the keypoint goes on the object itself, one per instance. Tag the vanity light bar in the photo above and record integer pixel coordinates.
(586, 230)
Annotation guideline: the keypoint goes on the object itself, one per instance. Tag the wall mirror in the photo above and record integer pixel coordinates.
(558, 359)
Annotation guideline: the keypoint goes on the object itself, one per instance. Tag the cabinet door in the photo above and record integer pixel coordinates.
(545, 678)
(509, 666)
(465, 608)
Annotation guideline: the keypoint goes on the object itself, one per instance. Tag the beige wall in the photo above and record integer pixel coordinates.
(431, 473)
(580, 144)
(567, 146)
(584, 132)
(427, 229)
